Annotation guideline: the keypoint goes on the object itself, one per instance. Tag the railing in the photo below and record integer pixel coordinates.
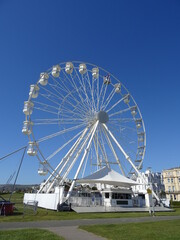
(85, 201)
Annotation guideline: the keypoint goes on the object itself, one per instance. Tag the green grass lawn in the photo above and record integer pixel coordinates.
(28, 234)
(164, 230)
(43, 214)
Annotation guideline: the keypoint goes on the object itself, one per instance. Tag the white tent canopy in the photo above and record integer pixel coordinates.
(108, 176)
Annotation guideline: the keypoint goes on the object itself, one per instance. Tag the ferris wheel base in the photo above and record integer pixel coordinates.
(51, 201)
(43, 200)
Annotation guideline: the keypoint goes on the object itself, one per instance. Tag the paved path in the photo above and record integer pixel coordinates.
(69, 228)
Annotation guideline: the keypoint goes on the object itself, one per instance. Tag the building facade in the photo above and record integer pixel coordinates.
(153, 179)
(171, 180)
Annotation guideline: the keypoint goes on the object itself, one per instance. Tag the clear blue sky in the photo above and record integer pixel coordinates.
(137, 41)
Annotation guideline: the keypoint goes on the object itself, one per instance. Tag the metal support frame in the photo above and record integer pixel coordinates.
(114, 153)
(129, 160)
(82, 160)
(63, 159)
(67, 158)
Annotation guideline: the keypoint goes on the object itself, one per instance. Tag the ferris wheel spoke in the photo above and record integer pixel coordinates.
(101, 146)
(80, 81)
(59, 133)
(92, 91)
(111, 95)
(75, 111)
(123, 127)
(122, 120)
(59, 86)
(71, 98)
(50, 93)
(103, 95)
(120, 112)
(114, 152)
(69, 95)
(79, 149)
(55, 89)
(85, 164)
(92, 132)
(49, 99)
(115, 104)
(63, 146)
(56, 121)
(130, 139)
(44, 110)
(64, 161)
(127, 143)
(121, 149)
(75, 86)
(45, 105)
(96, 151)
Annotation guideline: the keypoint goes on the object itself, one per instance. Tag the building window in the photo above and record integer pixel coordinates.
(174, 197)
(173, 188)
(121, 196)
(122, 202)
(172, 180)
(168, 180)
(106, 195)
(169, 188)
(179, 180)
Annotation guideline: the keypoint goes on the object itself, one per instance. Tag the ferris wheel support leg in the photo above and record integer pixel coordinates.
(114, 153)
(129, 160)
(58, 166)
(103, 152)
(82, 160)
(76, 157)
(67, 157)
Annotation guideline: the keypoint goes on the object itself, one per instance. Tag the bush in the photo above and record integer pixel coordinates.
(175, 204)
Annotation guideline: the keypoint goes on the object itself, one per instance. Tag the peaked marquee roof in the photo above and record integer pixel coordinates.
(108, 176)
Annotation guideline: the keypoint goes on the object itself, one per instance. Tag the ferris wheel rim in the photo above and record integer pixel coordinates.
(92, 65)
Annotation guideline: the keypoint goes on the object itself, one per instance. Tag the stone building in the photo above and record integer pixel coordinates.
(171, 180)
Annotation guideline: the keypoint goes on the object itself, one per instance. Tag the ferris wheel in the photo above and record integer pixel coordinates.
(80, 118)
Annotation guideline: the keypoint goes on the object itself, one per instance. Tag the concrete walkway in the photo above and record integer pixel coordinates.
(73, 233)
(69, 228)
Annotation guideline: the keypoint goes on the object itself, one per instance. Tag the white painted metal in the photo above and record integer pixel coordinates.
(82, 160)
(70, 107)
(128, 159)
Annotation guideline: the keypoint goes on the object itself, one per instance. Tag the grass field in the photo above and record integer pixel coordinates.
(43, 214)
(164, 230)
(28, 234)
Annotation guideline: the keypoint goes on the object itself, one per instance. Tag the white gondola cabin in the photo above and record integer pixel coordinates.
(140, 137)
(126, 98)
(27, 128)
(42, 171)
(138, 123)
(28, 107)
(117, 88)
(69, 67)
(32, 149)
(95, 73)
(56, 71)
(107, 80)
(44, 79)
(134, 111)
(82, 68)
(34, 91)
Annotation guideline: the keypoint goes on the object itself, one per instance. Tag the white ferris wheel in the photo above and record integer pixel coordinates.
(80, 118)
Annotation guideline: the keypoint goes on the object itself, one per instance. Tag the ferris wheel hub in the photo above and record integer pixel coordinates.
(103, 117)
